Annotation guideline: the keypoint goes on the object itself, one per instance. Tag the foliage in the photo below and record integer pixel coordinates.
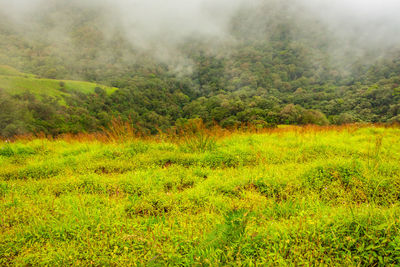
(284, 73)
(196, 137)
(289, 196)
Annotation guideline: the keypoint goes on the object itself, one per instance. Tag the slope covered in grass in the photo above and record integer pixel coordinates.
(14, 82)
(10, 71)
(297, 196)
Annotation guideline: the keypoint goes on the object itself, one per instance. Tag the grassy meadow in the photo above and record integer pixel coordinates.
(14, 82)
(287, 196)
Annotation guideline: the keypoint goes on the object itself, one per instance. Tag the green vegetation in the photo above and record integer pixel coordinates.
(284, 67)
(29, 104)
(121, 147)
(9, 71)
(17, 83)
(289, 196)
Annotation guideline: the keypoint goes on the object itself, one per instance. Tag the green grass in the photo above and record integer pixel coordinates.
(15, 82)
(10, 71)
(282, 198)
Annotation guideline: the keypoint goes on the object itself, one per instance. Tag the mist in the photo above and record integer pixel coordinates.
(369, 23)
(160, 27)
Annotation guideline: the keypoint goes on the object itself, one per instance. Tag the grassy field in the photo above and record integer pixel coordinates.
(290, 196)
(15, 82)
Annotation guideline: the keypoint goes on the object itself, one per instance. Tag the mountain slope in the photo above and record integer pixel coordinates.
(14, 82)
(280, 65)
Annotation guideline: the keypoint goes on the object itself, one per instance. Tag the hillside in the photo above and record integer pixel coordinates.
(14, 82)
(31, 104)
(290, 196)
(280, 64)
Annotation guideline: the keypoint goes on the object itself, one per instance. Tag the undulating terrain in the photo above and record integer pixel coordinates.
(199, 133)
(288, 196)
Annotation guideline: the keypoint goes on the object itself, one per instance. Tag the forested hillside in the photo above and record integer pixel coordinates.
(278, 65)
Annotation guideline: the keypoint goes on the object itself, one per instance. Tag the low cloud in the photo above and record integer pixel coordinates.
(162, 26)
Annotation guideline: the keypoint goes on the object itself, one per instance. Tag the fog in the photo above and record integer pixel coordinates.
(372, 22)
(160, 26)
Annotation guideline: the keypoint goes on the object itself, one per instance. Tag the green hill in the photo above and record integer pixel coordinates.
(10, 71)
(284, 67)
(32, 104)
(14, 82)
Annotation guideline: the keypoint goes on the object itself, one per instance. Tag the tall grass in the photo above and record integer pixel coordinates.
(203, 196)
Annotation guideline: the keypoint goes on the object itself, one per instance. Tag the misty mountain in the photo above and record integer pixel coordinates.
(230, 62)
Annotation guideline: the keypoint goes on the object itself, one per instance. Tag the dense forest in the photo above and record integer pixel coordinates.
(278, 66)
